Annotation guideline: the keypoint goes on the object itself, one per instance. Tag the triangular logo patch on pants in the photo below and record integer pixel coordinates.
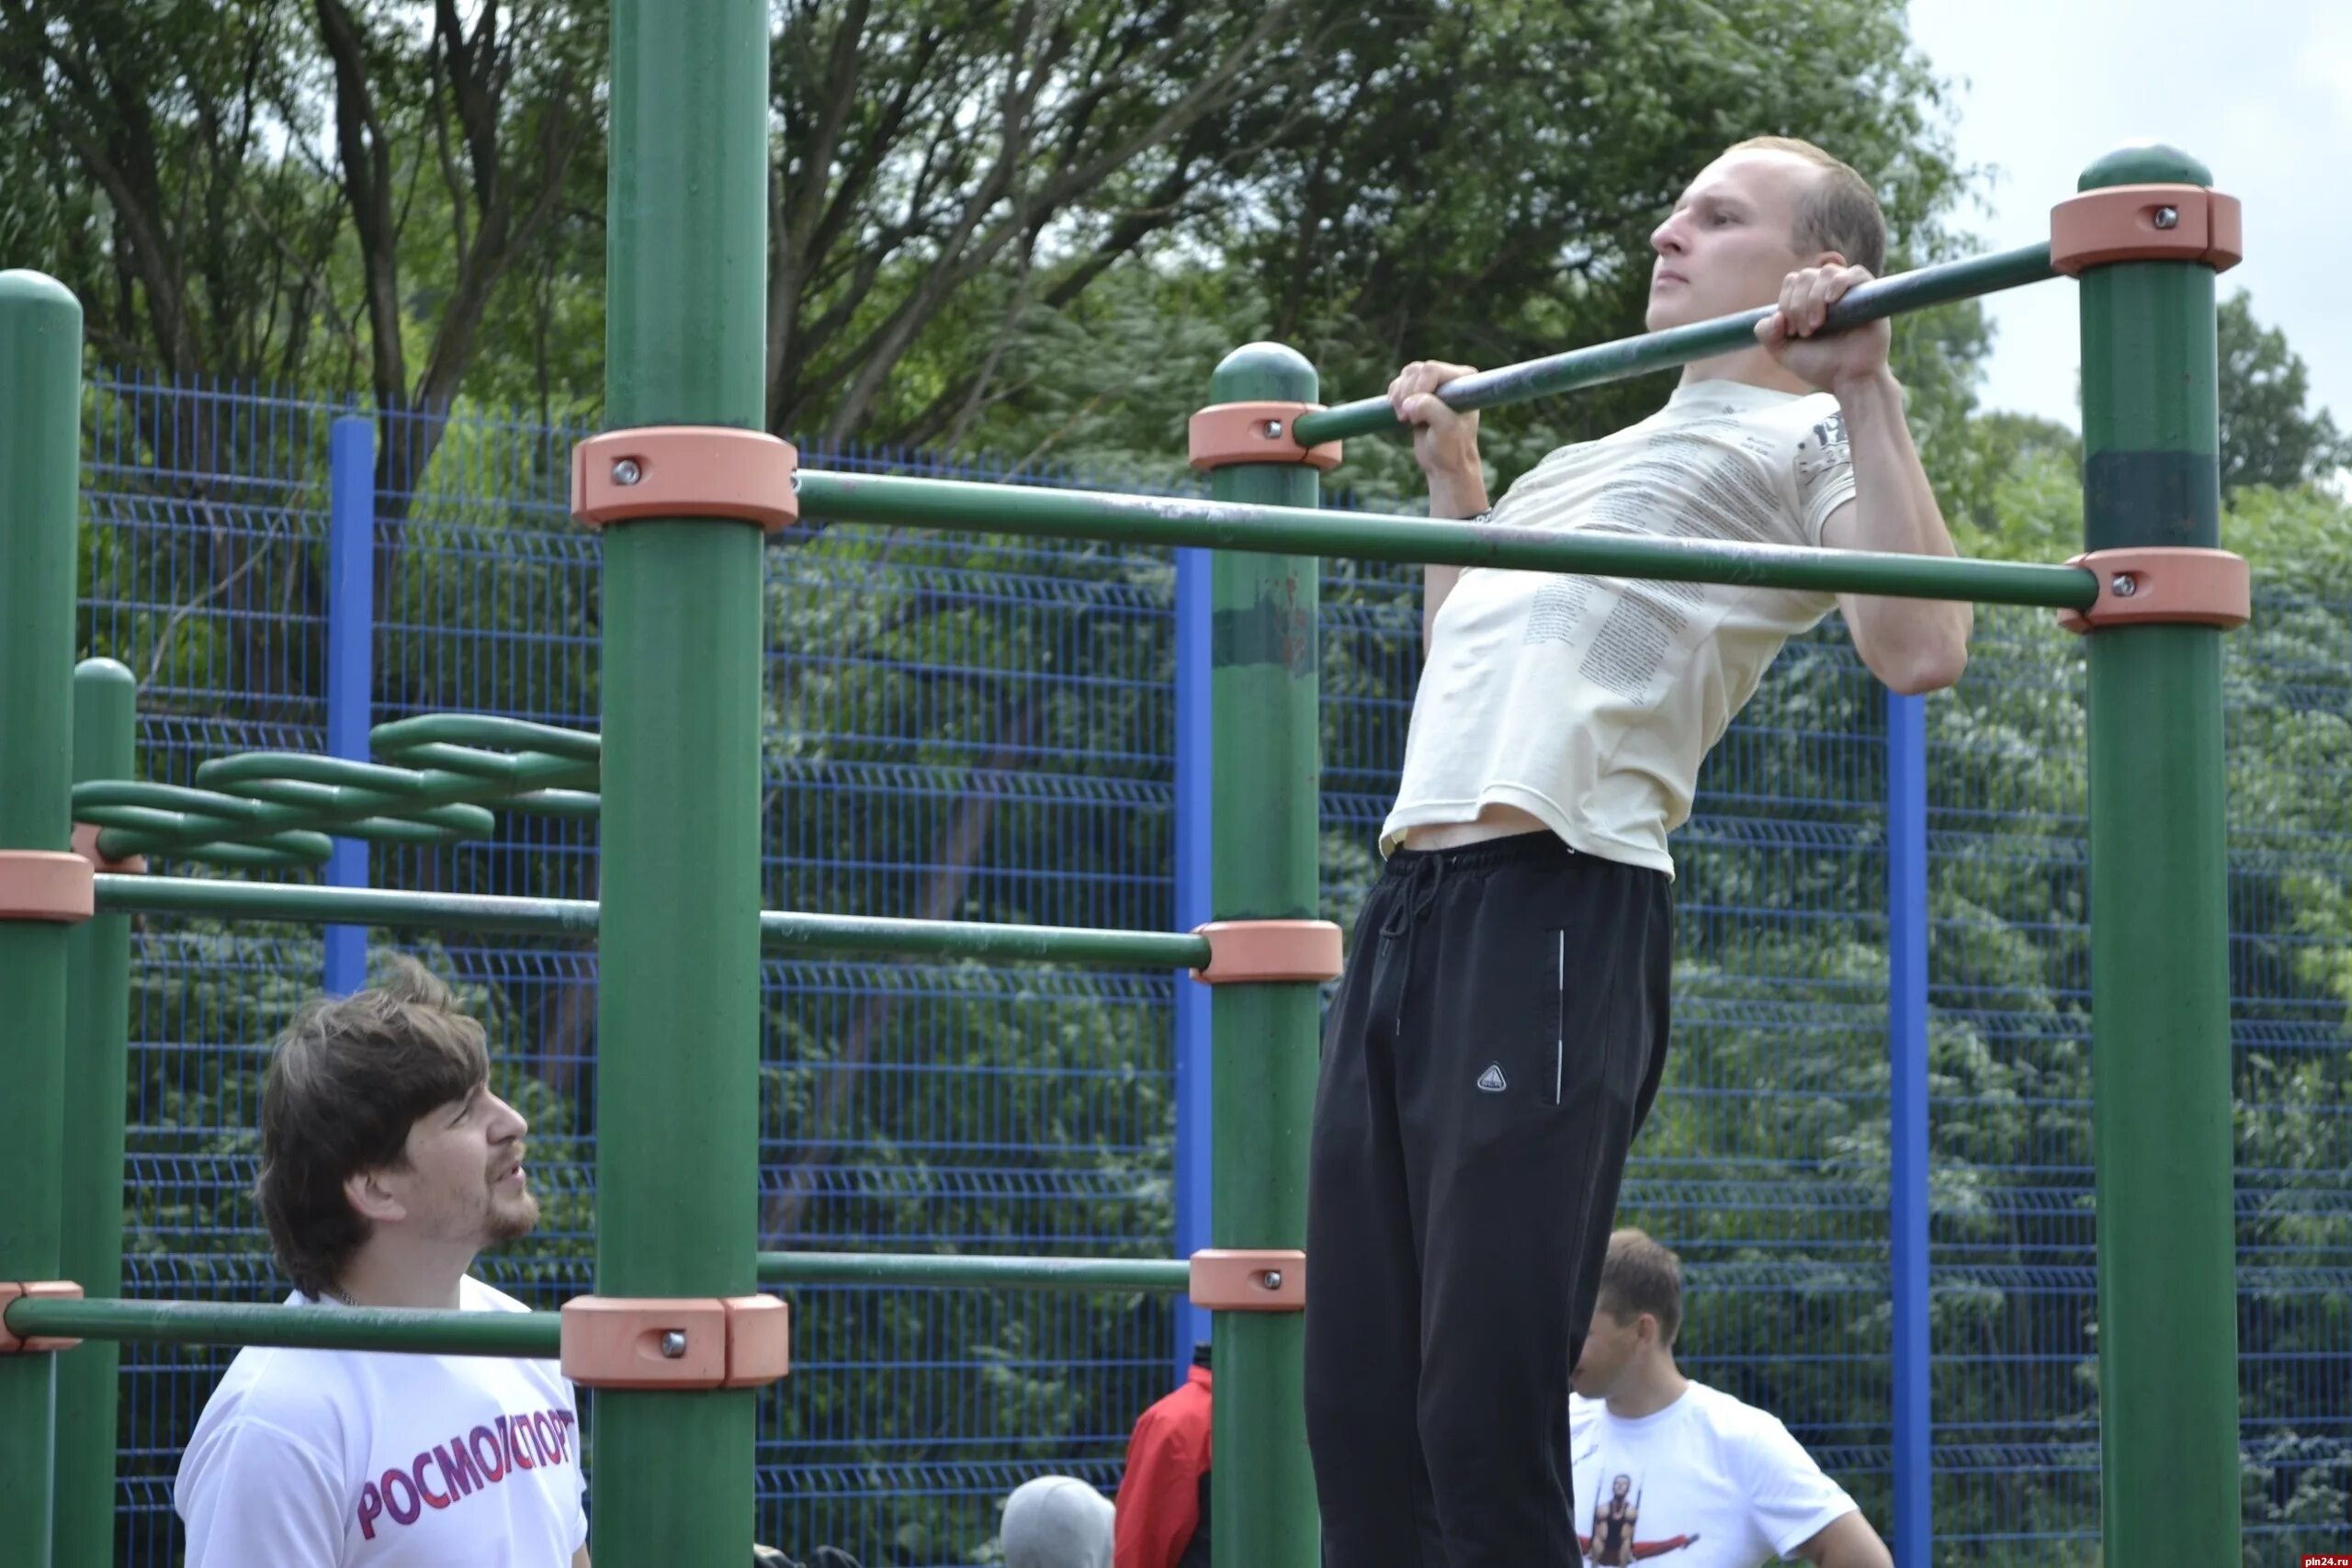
(1492, 1079)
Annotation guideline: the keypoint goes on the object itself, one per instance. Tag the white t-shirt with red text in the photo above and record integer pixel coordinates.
(1706, 1483)
(382, 1461)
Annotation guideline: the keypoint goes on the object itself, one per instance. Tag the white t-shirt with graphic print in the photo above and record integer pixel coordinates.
(314, 1458)
(1590, 702)
(1705, 1483)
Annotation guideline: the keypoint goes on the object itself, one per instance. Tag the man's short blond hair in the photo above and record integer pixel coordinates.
(1839, 212)
(1638, 1275)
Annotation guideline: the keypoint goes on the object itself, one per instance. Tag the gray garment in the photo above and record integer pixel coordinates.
(1057, 1521)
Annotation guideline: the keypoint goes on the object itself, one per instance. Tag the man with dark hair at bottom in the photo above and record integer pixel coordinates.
(1499, 1032)
(387, 1165)
(1667, 1467)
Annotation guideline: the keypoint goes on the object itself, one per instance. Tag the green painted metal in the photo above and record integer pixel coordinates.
(40, 444)
(254, 809)
(136, 808)
(678, 1010)
(2144, 164)
(975, 939)
(779, 930)
(431, 807)
(2160, 1026)
(174, 812)
(1371, 535)
(1265, 748)
(97, 1034)
(339, 784)
(1154, 1275)
(417, 1332)
(486, 737)
(1928, 286)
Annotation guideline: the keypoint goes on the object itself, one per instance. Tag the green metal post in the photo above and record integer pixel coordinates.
(97, 1033)
(1262, 865)
(2160, 1022)
(678, 1012)
(40, 444)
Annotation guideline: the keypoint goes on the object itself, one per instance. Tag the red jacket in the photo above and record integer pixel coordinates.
(1159, 1498)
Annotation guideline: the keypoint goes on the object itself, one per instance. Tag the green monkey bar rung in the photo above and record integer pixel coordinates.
(780, 930)
(1280, 530)
(1917, 290)
(268, 808)
(1159, 1276)
(413, 1330)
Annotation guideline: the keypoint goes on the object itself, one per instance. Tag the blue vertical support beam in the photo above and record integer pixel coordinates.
(1906, 961)
(1194, 772)
(351, 662)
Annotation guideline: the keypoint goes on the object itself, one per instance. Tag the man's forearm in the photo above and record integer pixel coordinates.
(1863, 1549)
(1454, 495)
(1896, 511)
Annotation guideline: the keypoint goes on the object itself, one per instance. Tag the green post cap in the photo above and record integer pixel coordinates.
(2144, 164)
(20, 285)
(1267, 372)
(104, 671)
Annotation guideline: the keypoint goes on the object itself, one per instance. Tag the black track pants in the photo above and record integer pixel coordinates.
(1495, 1042)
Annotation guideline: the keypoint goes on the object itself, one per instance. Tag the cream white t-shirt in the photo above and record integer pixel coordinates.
(1705, 1483)
(314, 1458)
(1589, 702)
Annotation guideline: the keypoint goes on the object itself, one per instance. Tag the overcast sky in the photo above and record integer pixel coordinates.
(2260, 90)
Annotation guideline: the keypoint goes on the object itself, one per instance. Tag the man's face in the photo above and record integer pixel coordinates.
(465, 1182)
(1610, 1348)
(1729, 242)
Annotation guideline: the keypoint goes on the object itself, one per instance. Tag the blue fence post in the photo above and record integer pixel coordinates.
(351, 665)
(1907, 956)
(1192, 775)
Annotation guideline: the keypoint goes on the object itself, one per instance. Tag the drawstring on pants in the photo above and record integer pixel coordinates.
(1420, 896)
(1422, 884)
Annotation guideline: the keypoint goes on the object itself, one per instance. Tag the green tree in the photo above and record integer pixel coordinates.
(2270, 434)
(1479, 183)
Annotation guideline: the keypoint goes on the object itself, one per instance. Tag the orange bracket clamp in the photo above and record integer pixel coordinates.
(684, 470)
(85, 844)
(46, 884)
(40, 1289)
(1269, 949)
(1224, 434)
(1236, 1280)
(676, 1342)
(2157, 222)
(2156, 585)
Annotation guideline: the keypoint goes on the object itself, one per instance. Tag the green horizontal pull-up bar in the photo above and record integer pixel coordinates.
(536, 1333)
(531, 1334)
(1938, 284)
(1161, 1276)
(779, 930)
(1370, 535)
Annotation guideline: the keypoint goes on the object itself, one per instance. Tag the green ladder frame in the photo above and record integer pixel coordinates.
(675, 772)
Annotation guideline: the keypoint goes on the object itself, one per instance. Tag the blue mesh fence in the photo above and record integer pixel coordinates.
(980, 729)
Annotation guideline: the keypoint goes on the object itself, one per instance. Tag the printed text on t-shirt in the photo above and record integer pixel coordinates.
(467, 1464)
